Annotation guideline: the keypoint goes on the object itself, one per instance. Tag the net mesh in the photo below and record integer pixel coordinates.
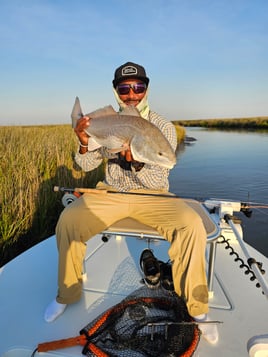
(149, 322)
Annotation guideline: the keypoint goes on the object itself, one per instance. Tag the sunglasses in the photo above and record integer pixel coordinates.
(138, 88)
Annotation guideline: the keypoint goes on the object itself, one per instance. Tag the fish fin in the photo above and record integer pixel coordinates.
(76, 112)
(102, 112)
(130, 110)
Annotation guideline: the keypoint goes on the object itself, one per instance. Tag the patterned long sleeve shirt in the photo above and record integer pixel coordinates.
(123, 178)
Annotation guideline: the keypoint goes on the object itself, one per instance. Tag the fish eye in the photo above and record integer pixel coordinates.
(160, 153)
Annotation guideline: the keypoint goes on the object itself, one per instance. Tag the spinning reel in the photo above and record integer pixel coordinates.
(68, 198)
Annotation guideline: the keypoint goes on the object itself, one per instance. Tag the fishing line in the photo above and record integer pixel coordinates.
(259, 210)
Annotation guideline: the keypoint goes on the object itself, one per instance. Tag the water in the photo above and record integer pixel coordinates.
(231, 165)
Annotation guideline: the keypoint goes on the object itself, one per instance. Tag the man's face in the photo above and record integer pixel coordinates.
(131, 91)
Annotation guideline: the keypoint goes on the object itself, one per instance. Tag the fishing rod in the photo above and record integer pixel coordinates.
(104, 191)
(171, 195)
(243, 207)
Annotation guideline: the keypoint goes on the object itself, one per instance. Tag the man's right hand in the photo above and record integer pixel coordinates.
(82, 124)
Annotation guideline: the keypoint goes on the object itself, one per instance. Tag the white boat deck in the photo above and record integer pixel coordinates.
(29, 283)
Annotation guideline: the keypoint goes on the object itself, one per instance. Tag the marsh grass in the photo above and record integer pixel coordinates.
(32, 161)
(180, 131)
(255, 123)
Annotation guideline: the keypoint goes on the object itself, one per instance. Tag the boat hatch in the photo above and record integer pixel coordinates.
(258, 346)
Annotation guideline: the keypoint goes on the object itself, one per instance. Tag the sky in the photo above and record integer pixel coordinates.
(204, 58)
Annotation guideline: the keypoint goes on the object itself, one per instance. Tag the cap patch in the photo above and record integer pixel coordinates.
(129, 71)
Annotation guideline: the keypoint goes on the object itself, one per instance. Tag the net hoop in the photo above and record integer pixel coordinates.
(95, 328)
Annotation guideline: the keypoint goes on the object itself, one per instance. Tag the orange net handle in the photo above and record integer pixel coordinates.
(68, 342)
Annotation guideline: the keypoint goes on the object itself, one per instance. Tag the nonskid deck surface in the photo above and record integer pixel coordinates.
(28, 284)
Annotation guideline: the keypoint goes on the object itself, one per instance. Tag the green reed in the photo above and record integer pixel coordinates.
(32, 160)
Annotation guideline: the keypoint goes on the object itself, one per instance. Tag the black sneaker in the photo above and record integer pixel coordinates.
(166, 276)
(150, 268)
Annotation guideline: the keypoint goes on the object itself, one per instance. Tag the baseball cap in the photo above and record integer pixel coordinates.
(129, 70)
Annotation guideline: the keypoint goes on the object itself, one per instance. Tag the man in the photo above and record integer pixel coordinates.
(93, 213)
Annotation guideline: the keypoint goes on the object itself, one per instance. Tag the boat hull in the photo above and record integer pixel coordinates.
(29, 283)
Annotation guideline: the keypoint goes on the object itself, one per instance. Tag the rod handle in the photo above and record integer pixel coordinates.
(78, 189)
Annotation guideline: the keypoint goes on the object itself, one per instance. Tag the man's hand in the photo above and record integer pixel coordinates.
(135, 165)
(127, 155)
(82, 124)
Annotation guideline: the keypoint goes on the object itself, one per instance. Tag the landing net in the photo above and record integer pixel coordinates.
(149, 322)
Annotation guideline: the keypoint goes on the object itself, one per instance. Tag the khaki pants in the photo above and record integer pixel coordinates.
(171, 217)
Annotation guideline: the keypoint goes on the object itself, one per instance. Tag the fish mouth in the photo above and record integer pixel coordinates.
(168, 163)
(169, 166)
